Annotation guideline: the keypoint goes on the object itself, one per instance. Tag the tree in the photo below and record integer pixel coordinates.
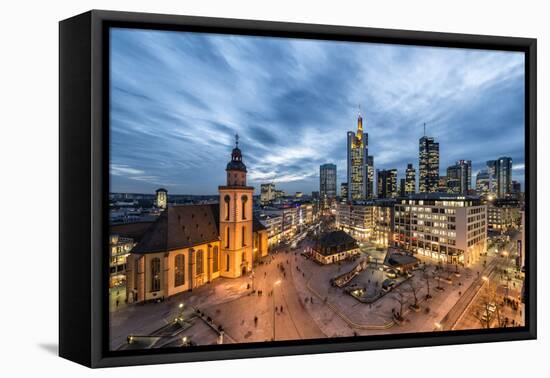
(399, 296)
(427, 278)
(488, 306)
(414, 288)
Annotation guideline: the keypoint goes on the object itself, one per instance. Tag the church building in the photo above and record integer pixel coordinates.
(191, 245)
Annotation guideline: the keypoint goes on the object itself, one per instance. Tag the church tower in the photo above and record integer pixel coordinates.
(236, 218)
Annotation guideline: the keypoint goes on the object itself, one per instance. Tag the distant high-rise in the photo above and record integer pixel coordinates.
(459, 177)
(327, 184)
(410, 180)
(370, 176)
(402, 188)
(442, 187)
(358, 148)
(483, 183)
(492, 171)
(428, 154)
(516, 187)
(267, 193)
(344, 191)
(161, 198)
(504, 176)
(387, 183)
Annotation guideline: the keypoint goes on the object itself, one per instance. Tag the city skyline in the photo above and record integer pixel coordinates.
(293, 113)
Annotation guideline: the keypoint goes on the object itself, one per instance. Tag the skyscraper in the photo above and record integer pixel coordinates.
(267, 193)
(344, 191)
(410, 180)
(327, 184)
(370, 176)
(357, 162)
(402, 188)
(387, 183)
(428, 152)
(504, 176)
(483, 183)
(459, 177)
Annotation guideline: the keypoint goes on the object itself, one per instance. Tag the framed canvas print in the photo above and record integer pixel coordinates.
(233, 188)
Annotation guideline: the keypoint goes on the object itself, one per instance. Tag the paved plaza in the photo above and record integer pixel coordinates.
(289, 297)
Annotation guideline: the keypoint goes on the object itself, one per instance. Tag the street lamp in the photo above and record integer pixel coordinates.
(275, 284)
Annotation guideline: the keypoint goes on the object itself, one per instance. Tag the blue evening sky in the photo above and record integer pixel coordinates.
(177, 100)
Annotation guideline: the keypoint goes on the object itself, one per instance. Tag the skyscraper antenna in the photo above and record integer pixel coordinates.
(424, 128)
(237, 140)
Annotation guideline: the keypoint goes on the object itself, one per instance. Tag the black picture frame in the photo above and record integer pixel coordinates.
(84, 178)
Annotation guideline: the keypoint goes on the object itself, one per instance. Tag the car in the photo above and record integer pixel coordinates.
(388, 284)
(391, 273)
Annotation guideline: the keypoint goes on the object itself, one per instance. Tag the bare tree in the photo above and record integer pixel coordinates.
(414, 288)
(427, 278)
(399, 296)
(488, 306)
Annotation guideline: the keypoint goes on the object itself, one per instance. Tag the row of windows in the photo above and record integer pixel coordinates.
(179, 268)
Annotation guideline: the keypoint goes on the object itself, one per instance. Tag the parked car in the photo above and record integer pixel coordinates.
(388, 284)
(391, 273)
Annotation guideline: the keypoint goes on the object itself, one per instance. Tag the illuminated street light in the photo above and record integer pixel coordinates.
(485, 278)
(438, 325)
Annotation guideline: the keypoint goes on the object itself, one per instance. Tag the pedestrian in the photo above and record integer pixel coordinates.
(281, 309)
(117, 301)
(255, 321)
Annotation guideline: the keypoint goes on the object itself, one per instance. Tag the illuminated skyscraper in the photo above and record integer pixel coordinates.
(500, 176)
(357, 163)
(370, 176)
(428, 165)
(483, 183)
(504, 176)
(387, 183)
(327, 184)
(161, 198)
(410, 180)
(344, 191)
(459, 177)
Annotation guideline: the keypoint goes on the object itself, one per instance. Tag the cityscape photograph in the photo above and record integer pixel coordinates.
(272, 189)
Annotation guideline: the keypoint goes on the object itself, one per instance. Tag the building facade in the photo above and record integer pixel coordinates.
(327, 184)
(367, 221)
(459, 177)
(370, 177)
(267, 193)
(483, 183)
(356, 220)
(410, 180)
(387, 183)
(357, 166)
(504, 214)
(451, 229)
(161, 198)
(120, 250)
(428, 166)
(344, 191)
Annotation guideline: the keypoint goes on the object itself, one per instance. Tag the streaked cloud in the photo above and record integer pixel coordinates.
(177, 99)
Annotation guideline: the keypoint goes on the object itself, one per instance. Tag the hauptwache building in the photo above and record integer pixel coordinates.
(191, 245)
